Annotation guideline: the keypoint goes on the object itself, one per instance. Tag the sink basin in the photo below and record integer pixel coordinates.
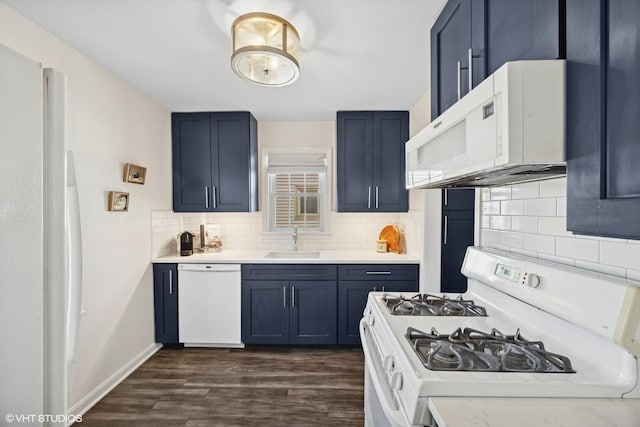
(292, 254)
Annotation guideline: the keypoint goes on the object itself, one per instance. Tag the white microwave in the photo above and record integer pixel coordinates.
(508, 129)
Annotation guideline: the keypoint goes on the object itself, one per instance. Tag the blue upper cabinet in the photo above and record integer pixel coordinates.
(516, 30)
(603, 107)
(473, 38)
(371, 161)
(215, 158)
(450, 42)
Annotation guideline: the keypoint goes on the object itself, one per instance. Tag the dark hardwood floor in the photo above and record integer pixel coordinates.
(266, 386)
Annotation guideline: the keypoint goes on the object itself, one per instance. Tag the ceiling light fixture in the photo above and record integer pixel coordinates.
(264, 49)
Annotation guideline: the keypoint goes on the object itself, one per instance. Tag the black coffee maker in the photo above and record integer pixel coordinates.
(186, 244)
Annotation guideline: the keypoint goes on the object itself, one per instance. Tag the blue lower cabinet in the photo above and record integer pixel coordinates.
(313, 314)
(298, 308)
(165, 301)
(265, 313)
(352, 298)
(354, 284)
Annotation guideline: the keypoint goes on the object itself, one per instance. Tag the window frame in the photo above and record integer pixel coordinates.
(324, 195)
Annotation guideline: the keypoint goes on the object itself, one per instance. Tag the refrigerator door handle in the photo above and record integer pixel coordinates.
(74, 260)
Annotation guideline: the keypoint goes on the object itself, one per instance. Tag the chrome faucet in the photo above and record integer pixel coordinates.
(295, 238)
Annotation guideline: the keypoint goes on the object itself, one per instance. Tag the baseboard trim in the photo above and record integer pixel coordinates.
(110, 383)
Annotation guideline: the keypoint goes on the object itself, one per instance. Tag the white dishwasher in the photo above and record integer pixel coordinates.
(209, 305)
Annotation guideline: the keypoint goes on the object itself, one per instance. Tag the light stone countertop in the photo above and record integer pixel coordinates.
(534, 412)
(258, 257)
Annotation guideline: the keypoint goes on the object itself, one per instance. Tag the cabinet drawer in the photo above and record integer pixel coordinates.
(289, 272)
(378, 272)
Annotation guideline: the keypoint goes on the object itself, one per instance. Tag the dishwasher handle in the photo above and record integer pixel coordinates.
(209, 267)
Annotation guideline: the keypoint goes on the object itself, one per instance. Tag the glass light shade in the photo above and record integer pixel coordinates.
(264, 49)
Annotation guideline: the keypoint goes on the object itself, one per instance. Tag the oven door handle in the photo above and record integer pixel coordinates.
(395, 416)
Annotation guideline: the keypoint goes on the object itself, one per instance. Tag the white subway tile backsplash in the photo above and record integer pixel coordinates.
(245, 231)
(586, 250)
(561, 206)
(599, 238)
(554, 226)
(500, 222)
(531, 220)
(602, 268)
(485, 221)
(488, 236)
(491, 208)
(485, 194)
(553, 187)
(528, 190)
(500, 193)
(511, 239)
(525, 224)
(620, 254)
(538, 243)
(540, 207)
(512, 207)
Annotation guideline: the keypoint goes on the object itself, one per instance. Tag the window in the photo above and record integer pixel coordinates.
(297, 190)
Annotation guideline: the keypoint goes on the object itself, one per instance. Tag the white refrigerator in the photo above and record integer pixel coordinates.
(40, 255)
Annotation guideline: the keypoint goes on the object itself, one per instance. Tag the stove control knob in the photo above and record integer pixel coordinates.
(396, 381)
(389, 363)
(533, 281)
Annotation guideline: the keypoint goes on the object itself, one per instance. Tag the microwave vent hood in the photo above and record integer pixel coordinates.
(508, 129)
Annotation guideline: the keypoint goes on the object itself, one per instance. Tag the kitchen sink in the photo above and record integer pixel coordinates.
(293, 254)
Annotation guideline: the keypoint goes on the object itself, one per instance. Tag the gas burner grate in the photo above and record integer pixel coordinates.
(432, 305)
(472, 350)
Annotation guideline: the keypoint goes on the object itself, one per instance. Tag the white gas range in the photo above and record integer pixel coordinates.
(549, 331)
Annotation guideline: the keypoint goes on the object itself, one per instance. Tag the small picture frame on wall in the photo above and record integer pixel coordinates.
(135, 174)
(118, 201)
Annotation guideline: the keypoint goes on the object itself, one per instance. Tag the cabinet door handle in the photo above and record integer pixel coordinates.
(383, 289)
(206, 196)
(374, 289)
(293, 297)
(470, 68)
(459, 69)
(446, 196)
(170, 282)
(384, 273)
(215, 197)
(446, 228)
(376, 197)
(284, 296)
(369, 199)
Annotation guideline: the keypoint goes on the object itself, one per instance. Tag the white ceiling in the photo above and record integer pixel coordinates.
(355, 54)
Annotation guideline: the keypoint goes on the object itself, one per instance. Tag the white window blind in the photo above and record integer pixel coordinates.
(297, 195)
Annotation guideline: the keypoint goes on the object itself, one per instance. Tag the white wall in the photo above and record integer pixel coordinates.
(530, 219)
(112, 124)
(245, 231)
